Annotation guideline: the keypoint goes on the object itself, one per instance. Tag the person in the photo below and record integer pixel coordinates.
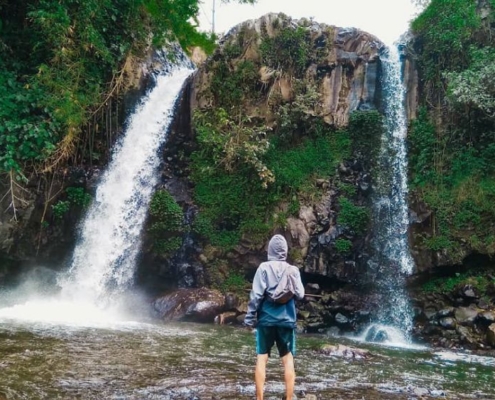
(276, 323)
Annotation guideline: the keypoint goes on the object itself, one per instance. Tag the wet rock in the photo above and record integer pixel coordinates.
(341, 319)
(200, 305)
(333, 331)
(312, 288)
(240, 318)
(483, 304)
(446, 312)
(448, 323)
(304, 314)
(430, 313)
(466, 335)
(468, 292)
(466, 315)
(342, 351)
(490, 335)
(231, 301)
(487, 316)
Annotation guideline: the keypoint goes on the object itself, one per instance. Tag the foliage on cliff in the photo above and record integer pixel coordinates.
(452, 141)
(61, 61)
(259, 154)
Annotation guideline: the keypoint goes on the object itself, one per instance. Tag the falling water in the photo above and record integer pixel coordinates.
(104, 259)
(392, 262)
(103, 262)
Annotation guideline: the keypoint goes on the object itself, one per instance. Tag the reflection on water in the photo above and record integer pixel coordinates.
(186, 361)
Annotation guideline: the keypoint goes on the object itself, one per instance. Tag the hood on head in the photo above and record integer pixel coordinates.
(277, 248)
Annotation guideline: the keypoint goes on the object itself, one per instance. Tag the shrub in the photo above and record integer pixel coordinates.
(289, 50)
(343, 246)
(234, 283)
(76, 196)
(352, 216)
(60, 208)
(166, 227)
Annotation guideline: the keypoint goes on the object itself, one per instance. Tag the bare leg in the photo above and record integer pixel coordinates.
(259, 375)
(289, 375)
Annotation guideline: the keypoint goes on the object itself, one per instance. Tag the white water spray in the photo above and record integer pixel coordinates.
(103, 262)
(392, 261)
(104, 259)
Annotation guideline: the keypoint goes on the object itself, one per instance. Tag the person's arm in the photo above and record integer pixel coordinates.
(256, 296)
(299, 295)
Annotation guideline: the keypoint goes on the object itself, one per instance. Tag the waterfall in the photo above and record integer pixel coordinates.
(392, 261)
(103, 262)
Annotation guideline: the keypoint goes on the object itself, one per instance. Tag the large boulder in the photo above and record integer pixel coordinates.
(198, 305)
(490, 335)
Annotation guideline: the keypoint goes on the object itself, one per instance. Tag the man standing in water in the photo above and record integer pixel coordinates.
(276, 322)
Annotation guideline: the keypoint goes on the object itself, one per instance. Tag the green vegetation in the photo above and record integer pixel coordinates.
(62, 61)
(354, 217)
(244, 168)
(478, 280)
(75, 197)
(238, 182)
(166, 227)
(60, 208)
(234, 283)
(445, 28)
(343, 246)
(289, 50)
(78, 196)
(229, 85)
(452, 155)
(366, 128)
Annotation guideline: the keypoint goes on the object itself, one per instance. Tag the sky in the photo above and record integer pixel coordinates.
(386, 19)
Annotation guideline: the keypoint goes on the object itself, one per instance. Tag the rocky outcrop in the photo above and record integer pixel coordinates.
(461, 318)
(199, 305)
(345, 61)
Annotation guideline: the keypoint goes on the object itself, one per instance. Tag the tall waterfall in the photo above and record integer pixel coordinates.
(103, 262)
(392, 261)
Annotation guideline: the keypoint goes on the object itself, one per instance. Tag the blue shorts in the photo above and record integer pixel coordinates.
(267, 336)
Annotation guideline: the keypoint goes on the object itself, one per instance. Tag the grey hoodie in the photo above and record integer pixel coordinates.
(265, 281)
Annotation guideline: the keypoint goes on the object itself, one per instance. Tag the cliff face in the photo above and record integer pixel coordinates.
(335, 75)
(344, 64)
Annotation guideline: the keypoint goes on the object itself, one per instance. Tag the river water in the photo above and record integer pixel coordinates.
(130, 360)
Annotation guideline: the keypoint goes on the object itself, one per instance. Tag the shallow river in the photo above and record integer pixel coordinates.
(189, 361)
